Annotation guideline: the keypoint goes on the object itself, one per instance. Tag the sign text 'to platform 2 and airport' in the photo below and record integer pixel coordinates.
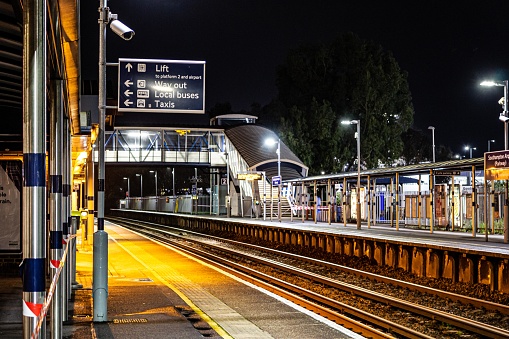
(165, 86)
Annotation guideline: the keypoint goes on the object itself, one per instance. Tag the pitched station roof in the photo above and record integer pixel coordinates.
(250, 139)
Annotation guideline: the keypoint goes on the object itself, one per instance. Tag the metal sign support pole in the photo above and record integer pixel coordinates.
(100, 269)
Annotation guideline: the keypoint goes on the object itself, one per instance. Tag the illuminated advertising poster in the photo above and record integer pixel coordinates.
(353, 202)
(10, 206)
(456, 207)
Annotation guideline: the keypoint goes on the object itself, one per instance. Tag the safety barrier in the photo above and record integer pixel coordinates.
(44, 310)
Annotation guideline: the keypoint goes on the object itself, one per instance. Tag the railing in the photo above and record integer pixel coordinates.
(167, 146)
(162, 155)
(186, 204)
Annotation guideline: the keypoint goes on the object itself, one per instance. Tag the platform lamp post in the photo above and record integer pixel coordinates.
(358, 137)
(227, 201)
(468, 148)
(432, 188)
(141, 183)
(486, 199)
(469, 180)
(272, 142)
(155, 174)
(504, 117)
(433, 140)
(128, 195)
(489, 143)
(173, 180)
(128, 186)
(100, 269)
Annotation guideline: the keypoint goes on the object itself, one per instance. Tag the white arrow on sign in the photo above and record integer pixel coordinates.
(128, 102)
(128, 66)
(127, 92)
(128, 83)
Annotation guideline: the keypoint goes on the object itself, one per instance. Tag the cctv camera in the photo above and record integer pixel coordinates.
(121, 30)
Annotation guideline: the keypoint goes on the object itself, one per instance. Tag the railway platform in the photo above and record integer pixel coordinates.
(454, 239)
(158, 292)
(458, 256)
(460, 240)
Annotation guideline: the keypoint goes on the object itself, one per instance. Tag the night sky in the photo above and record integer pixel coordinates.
(447, 50)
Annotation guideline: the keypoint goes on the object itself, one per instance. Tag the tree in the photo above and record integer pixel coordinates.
(418, 147)
(318, 126)
(348, 79)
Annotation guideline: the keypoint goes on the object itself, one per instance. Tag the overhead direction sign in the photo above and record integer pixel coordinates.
(496, 165)
(161, 86)
(446, 172)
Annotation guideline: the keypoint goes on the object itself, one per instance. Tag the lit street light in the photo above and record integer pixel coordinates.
(272, 142)
(173, 180)
(433, 140)
(141, 183)
(155, 173)
(358, 136)
(504, 117)
(168, 169)
(470, 148)
(489, 142)
(128, 187)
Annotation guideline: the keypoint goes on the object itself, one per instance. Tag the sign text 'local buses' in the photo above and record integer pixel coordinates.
(171, 86)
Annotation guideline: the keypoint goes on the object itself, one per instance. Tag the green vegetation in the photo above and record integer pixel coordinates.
(348, 79)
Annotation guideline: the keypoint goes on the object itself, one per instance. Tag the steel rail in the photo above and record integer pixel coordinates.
(302, 297)
(466, 300)
(460, 322)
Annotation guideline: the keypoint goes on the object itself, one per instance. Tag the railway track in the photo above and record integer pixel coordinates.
(281, 264)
